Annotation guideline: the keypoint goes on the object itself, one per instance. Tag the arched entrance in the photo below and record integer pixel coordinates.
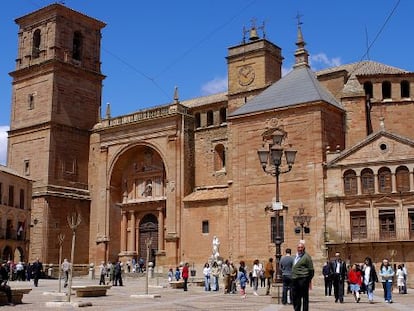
(7, 253)
(148, 228)
(18, 255)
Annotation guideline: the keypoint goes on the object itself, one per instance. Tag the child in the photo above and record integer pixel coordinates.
(242, 277)
(355, 281)
(177, 274)
(170, 274)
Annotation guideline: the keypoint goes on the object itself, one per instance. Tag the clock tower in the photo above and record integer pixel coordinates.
(252, 66)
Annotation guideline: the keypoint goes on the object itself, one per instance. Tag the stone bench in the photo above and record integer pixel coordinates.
(91, 290)
(177, 284)
(196, 282)
(17, 295)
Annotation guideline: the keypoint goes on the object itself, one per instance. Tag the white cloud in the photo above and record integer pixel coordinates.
(3, 144)
(217, 85)
(321, 60)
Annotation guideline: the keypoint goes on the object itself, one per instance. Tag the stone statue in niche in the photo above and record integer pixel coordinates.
(148, 189)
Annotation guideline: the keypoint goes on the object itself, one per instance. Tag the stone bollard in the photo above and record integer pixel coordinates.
(50, 271)
(151, 269)
(91, 274)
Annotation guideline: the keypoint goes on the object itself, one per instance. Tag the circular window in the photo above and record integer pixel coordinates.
(383, 147)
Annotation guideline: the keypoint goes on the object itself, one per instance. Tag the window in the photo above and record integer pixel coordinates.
(386, 90)
(26, 167)
(368, 89)
(219, 157)
(358, 225)
(77, 46)
(384, 180)
(197, 120)
(273, 233)
(36, 43)
(205, 227)
(367, 181)
(21, 202)
(402, 176)
(405, 89)
(210, 118)
(223, 115)
(387, 224)
(411, 222)
(30, 101)
(11, 196)
(350, 183)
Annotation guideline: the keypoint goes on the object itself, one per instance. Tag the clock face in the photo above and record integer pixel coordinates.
(246, 75)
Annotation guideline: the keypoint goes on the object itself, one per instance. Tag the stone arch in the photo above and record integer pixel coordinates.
(7, 253)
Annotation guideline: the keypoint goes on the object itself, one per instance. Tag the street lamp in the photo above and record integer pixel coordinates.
(302, 222)
(271, 161)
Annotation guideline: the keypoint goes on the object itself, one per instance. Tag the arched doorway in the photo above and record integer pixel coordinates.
(7, 253)
(148, 228)
(18, 255)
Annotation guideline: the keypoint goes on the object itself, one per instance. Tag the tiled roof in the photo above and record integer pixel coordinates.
(363, 68)
(205, 100)
(297, 87)
(207, 195)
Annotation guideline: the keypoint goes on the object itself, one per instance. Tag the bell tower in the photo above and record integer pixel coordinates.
(252, 66)
(56, 98)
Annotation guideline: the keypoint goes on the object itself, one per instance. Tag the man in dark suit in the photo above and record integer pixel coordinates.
(339, 274)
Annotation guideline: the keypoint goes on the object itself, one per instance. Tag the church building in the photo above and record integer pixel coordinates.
(167, 180)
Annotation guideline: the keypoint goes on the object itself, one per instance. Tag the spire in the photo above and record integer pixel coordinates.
(176, 97)
(301, 54)
(108, 111)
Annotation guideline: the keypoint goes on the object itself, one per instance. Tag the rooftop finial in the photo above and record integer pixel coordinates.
(108, 111)
(301, 55)
(176, 97)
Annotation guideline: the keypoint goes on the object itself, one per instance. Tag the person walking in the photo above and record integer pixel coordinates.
(242, 278)
(102, 273)
(37, 270)
(327, 279)
(355, 281)
(206, 273)
(339, 273)
(386, 273)
(302, 274)
(255, 275)
(185, 276)
(118, 274)
(369, 278)
(286, 264)
(215, 274)
(400, 279)
(269, 272)
(65, 268)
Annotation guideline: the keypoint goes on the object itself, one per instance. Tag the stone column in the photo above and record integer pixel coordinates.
(160, 229)
(124, 231)
(133, 232)
(393, 183)
(359, 185)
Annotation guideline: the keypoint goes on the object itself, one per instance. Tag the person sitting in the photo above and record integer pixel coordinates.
(4, 277)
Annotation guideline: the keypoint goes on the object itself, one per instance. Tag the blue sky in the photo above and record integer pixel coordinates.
(149, 47)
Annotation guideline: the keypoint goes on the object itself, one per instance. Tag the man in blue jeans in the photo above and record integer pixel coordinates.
(285, 265)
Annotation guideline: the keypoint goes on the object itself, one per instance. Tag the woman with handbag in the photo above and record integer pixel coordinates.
(369, 278)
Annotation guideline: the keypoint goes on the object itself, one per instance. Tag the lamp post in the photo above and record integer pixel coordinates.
(271, 160)
(302, 222)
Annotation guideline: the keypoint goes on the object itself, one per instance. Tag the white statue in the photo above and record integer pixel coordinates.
(216, 245)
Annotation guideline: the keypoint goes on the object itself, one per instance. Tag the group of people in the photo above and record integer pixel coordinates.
(361, 278)
(112, 271)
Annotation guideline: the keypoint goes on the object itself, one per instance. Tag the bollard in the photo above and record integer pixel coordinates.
(50, 270)
(91, 271)
(151, 269)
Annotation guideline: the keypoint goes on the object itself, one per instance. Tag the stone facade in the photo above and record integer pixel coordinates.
(168, 179)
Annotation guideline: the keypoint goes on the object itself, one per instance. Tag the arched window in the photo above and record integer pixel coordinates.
(386, 90)
(77, 45)
(36, 43)
(350, 183)
(367, 181)
(384, 180)
(210, 118)
(368, 89)
(197, 120)
(405, 89)
(223, 115)
(402, 176)
(219, 157)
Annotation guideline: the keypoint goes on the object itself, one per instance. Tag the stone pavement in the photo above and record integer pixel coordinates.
(128, 297)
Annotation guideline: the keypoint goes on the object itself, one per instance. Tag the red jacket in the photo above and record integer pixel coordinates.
(185, 272)
(355, 277)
